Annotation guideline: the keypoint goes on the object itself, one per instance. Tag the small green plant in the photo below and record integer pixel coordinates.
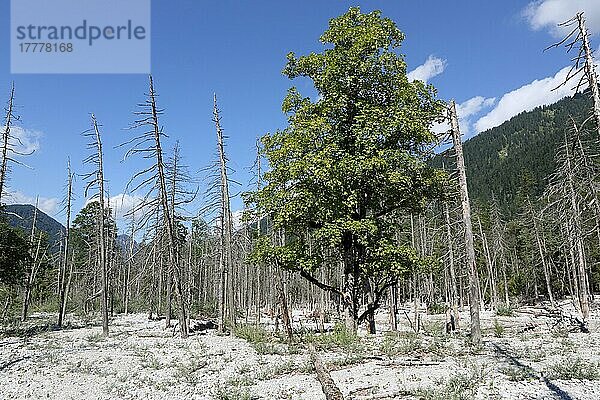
(186, 372)
(252, 334)
(234, 393)
(95, 337)
(504, 311)
(285, 368)
(498, 328)
(515, 374)
(341, 337)
(437, 308)
(462, 386)
(573, 368)
(396, 343)
(434, 328)
(262, 341)
(269, 348)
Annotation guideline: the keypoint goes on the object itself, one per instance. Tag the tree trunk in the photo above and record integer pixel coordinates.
(226, 304)
(62, 298)
(466, 212)
(6, 136)
(167, 215)
(330, 390)
(451, 270)
(101, 228)
(590, 69)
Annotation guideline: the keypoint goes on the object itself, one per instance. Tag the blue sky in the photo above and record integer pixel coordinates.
(485, 54)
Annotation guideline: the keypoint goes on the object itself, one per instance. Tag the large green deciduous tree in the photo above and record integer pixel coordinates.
(350, 162)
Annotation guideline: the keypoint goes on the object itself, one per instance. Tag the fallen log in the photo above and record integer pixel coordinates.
(330, 390)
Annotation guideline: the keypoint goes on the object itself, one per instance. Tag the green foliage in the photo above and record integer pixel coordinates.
(498, 328)
(504, 310)
(234, 393)
(21, 216)
(516, 374)
(14, 255)
(437, 308)
(262, 341)
(251, 333)
(513, 160)
(341, 337)
(570, 368)
(351, 160)
(398, 343)
(462, 386)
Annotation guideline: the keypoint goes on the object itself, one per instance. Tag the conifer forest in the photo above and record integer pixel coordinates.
(375, 247)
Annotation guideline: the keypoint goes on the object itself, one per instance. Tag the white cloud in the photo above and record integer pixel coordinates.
(473, 106)
(120, 204)
(47, 205)
(432, 67)
(526, 98)
(24, 141)
(465, 111)
(547, 14)
(236, 219)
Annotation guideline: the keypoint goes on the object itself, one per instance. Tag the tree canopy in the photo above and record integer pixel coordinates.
(351, 159)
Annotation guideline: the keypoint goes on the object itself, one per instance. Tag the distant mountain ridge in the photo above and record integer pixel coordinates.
(518, 155)
(21, 216)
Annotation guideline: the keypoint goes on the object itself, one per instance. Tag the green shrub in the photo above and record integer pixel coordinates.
(233, 393)
(396, 343)
(437, 308)
(462, 386)
(341, 337)
(504, 311)
(252, 334)
(573, 368)
(515, 374)
(498, 329)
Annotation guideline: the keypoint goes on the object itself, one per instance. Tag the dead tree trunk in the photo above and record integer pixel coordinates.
(62, 298)
(168, 222)
(541, 247)
(34, 259)
(578, 236)
(98, 180)
(6, 141)
(451, 270)
(590, 69)
(330, 390)
(579, 34)
(466, 213)
(226, 304)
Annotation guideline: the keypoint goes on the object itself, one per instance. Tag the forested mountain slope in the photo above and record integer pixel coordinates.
(21, 216)
(519, 154)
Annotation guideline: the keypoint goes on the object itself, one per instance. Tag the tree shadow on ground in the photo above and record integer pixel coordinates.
(11, 362)
(36, 329)
(530, 372)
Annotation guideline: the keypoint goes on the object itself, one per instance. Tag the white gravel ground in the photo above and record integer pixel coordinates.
(141, 360)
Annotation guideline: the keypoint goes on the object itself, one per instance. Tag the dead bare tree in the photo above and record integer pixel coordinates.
(95, 181)
(225, 302)
(569, 197)
(153, 179)
(474, 297)
(62, 284)
(34, 256)
(451, 269)
(583, 68)
(10, 144)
